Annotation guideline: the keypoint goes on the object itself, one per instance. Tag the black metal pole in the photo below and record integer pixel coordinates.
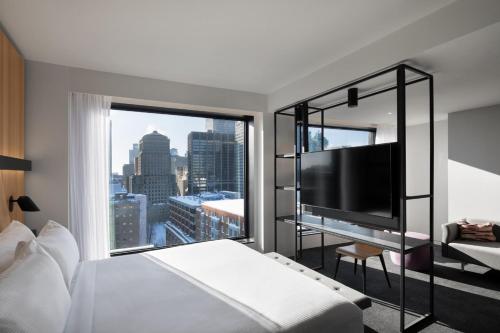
(431, 199)
(322, 149)
(275, 190)
(322, 250)
(297, 148)
(401, 131)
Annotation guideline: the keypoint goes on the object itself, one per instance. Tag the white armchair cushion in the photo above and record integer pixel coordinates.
(61, 245)
(33, 293)
(14, 233)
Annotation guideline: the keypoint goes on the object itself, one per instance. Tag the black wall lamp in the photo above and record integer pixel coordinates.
(24, 202)
(352, 97)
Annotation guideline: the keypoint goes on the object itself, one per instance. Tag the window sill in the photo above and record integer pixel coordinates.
(250, 240)
(146, 248)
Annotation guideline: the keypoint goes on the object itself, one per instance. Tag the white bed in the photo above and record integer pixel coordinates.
(219, 286)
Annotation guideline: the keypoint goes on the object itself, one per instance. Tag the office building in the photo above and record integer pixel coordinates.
(220, 126)
(152, 169)
(211, 160)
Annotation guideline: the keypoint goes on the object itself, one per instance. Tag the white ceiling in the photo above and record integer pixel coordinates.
(466, 76)
(252, 45)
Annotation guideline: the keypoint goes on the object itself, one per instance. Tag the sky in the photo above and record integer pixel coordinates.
(128, 127)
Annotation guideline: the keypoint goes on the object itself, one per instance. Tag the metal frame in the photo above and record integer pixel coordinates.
(400, 86)
(200, 114)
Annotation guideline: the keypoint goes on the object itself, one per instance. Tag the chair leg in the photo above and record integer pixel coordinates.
(385, 270)
(337, 265)
(355, 265)
(363, 266)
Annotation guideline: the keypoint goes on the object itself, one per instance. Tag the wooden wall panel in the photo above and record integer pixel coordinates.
(11, 124)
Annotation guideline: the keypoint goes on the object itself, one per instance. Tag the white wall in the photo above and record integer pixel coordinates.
(46, 121)
(417, 168)
(474, 164)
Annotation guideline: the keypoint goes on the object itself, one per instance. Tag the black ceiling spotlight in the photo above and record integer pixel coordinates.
(25, 203)
(352, 97)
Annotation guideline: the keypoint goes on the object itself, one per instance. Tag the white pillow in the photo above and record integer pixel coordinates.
(14, 233)
(34, 296)
(61, 245)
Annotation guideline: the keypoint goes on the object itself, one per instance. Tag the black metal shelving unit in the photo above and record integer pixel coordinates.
(405, 75)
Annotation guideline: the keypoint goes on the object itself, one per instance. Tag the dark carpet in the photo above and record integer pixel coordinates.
(467, 301)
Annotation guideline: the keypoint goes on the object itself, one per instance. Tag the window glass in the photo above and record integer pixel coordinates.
(175, 179)
(339, 138)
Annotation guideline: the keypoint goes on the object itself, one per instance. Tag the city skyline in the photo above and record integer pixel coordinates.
(129, 127)
(160, 198)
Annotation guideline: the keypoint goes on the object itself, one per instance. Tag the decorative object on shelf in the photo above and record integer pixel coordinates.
(13, 163)
(24, 202)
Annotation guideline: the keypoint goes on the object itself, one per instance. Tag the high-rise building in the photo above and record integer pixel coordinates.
(127, 171)
(181, 178)
(177, 162)
(220, 126)
(211, 161)
(133, 153)
(240, 157)
(152, 169)
(129, 227)
(179, 168)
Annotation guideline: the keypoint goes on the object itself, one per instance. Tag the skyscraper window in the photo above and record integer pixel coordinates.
(176, 178)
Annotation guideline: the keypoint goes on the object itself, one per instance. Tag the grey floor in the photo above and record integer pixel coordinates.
(466, 301)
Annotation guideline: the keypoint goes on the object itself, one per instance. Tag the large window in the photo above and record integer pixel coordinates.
(177, 178)
(340, 137)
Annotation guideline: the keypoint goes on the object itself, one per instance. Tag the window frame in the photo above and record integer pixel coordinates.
(371, 130)
(246, 119)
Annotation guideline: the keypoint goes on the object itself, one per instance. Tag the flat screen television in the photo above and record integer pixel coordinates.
(357, 184)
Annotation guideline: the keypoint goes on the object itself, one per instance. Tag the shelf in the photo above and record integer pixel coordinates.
(13, 163)
(355, 232)
(290, 155)
(290, 219)
(415, 197)
(287, 188)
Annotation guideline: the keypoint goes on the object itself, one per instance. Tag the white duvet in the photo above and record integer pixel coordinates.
(294, 302)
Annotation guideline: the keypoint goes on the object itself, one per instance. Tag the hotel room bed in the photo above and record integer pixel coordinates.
(219, 286)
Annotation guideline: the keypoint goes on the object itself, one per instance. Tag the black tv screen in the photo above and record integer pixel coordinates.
(357, 183)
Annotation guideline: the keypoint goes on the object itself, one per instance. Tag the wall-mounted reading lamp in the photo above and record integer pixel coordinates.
(352, 97)
(25, 203)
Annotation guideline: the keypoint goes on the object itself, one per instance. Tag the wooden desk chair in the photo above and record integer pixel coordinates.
(361, 252)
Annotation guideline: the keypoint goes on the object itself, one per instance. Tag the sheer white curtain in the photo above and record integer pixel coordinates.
(89, 149)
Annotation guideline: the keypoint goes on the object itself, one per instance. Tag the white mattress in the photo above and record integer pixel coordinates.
(262, 294)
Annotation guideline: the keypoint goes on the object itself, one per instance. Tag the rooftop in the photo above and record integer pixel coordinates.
(231, 206)
(195, 201)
